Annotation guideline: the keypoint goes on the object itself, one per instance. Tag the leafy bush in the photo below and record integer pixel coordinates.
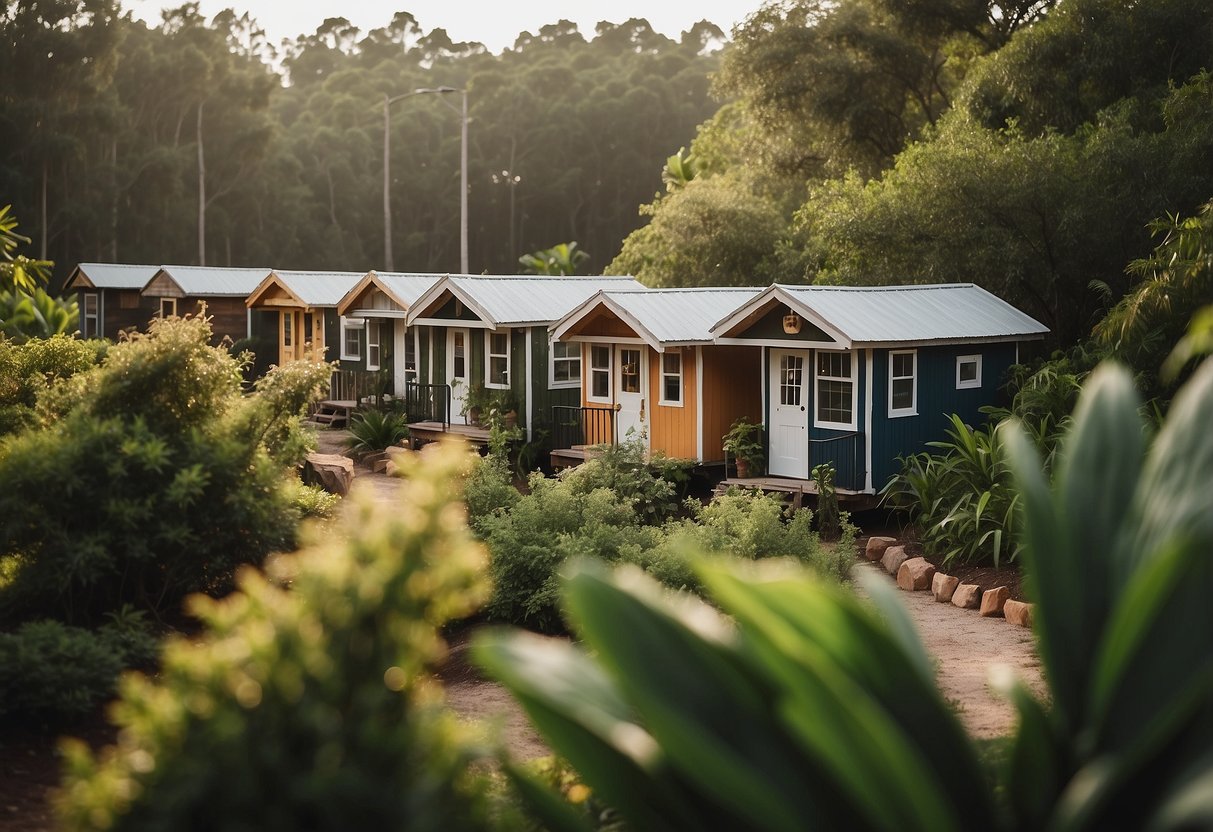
(53, 670)
(823, 710)
(652, 485)
(314, 502)
(489, 489)
(29, 368)
(311, 707)
(153, 477)
(372, 431)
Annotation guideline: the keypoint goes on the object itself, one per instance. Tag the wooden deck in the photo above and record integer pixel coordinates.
(433, 431)
(787, 485)
(572, 457)
(334, 412)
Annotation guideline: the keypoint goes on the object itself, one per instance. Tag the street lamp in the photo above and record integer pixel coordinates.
(463, 173)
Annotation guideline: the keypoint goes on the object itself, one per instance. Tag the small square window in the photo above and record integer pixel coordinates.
(903, 383)
(168, 307)
(351, 339)
(566, 364)
(671, 378)
(600, 373)
(499, 359)
(968, 372)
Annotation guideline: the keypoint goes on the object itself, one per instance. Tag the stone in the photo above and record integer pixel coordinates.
(1018, 613)
(380, 465)
(967, 596)
(332, 472)
(942, 587)
(893, 558)
(993, 600)
(915, 575)
(876, 547)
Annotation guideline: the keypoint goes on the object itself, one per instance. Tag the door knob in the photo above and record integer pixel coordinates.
(802, 408)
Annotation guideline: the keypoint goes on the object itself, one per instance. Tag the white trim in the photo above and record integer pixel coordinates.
(96, 316)
(248, 323)
(574, 380)
(974, 383)
(699, 403)
(559, 329)
(350, 324)
(489, 355)
(781, 343)
(912, 410)
(776, 292)
(589, 375)
(378, 345)
(764, 356)
(947, 342)
(429, 335)
(604, 339)
(378, 313)
(530, 388)
(867, 451)
(817, 391)
(432, 294)
(661, 375)
(449, 322)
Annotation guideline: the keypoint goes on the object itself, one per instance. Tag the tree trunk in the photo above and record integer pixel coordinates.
(114, 202)
(201, 194)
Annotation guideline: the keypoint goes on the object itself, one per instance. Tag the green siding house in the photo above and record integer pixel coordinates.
(492, 330)
(858, 376)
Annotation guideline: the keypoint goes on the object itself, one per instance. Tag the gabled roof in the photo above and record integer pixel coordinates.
(878, 315)
(517, 300)
(308, 289)
(110, 276)
(402, 288)
(213, 281)
(662, 317)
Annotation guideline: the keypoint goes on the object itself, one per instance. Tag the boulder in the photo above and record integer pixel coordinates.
(967, 596)
(893, 558)
(876, 547)
(993, 600)
(915, 575)
(942, 587)
(1018, 613)
(332, 472)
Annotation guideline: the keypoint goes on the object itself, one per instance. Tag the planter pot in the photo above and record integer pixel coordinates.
(474, 415)
(743, 469)
(511, 419)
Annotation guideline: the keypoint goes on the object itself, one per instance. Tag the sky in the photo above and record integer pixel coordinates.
(495, 23)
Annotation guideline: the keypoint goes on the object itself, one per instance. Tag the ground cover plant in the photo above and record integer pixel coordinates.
(824, 711)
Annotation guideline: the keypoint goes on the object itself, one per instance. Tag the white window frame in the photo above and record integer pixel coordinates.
(817, 377)
(95, 330)
(662, 400)
(609, 369)
(489, 355)
(912, 410)
(574, 379)
(172, 304)
(971, 384)
(347, 325)
(372, 325)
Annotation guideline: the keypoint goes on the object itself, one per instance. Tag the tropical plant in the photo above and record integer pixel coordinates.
(372, 431)
(563, 258)
(314, 705)
(18, 273)
(829, 521)
(26, 310)
(745, 441)
(679, 169)
(824, 711)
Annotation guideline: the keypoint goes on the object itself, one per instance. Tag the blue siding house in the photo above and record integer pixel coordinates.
(858, 376)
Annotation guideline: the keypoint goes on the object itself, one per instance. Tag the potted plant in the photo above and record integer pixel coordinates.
(476, 402)
(745, 442)
(503, 406)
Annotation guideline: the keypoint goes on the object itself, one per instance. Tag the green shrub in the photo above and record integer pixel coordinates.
(372, 431)
(823, 710)
(31, 367)
(55, 671)
(652, 485)
(489, 490)
(314, 502)
(154, 478)
(311, 707)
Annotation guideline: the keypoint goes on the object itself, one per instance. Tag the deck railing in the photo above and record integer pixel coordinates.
(846, 453)
(428, 403)
(573, 426)
(359, 386)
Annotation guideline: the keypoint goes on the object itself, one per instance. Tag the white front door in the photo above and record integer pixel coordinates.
(457, 371)
(788, 429)
(631, 386)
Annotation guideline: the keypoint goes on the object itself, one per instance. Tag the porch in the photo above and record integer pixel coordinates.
(578, 433)
(428, 409)
(845, 451)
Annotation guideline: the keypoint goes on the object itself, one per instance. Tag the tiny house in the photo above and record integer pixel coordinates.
(300, 313)
(110, 299)
(650, 369)
(381, 300)
(491, 331)
(181, 290)
(858, 376)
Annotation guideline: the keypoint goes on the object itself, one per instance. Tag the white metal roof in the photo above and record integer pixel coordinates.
(319, 288)
(900, 314)
(520, 300)
(407, 286)
(216, 280)
(113, 275)
(664, 317)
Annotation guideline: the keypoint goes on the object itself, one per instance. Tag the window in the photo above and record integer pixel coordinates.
(92, 328)
(600, 374)
(671, 378)
(168, 307)
(903, 383)
(351, 339)
(791, 379)
(372, 344)
(968, 372)
(835, 390)
(288, 329)
(410, 355)
(565, 365)
(498, 344)
(629, 371)
(459, 371)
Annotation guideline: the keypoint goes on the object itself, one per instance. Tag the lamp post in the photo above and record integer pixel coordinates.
(463, 172)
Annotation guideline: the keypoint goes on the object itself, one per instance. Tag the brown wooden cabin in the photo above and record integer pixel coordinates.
(110, 298)
(186, 290)
(647, 358)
